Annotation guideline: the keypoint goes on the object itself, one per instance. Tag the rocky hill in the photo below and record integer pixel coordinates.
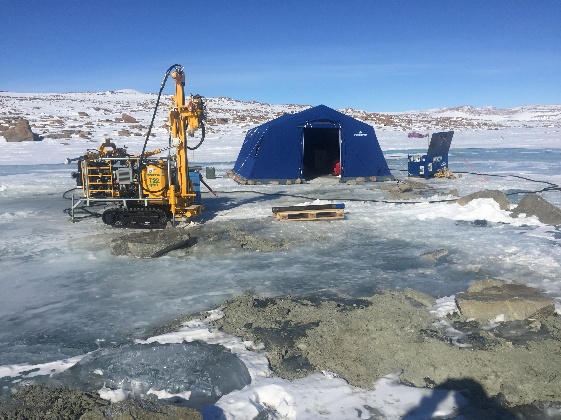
(127, 113)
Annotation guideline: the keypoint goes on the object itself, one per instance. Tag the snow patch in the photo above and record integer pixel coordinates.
(113, 395)
(317, 396)
(30, 371)
(164, 395)
(444, 306)
(479, 209)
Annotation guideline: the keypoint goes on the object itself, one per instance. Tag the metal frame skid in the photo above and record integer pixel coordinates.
(141, 194)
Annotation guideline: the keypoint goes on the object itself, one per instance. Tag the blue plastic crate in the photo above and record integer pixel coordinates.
(195, 177)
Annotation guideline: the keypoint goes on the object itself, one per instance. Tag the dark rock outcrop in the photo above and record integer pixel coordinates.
(487, 299)
(534, 205)
(496, 195)
(435, 255)
(39, 402)
(21, 132)
(364, 340)
(150, 244)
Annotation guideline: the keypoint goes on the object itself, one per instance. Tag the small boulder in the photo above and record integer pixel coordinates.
(404, 187)
(496, 195)
(128, 119)
(454, 193)
(481, 285)
(397, 195)
(534, 205)
(85, 134)
(487, 299)
(56, 136)
(416, 184)
(435, 255)
(21, 132)
(419, 297)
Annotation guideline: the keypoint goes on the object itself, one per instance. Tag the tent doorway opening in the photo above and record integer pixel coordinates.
(321, 151)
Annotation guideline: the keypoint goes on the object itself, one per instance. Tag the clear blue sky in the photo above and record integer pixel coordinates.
(392, 55)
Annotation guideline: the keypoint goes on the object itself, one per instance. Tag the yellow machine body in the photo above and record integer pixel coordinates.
(154, 181)
(146, 187)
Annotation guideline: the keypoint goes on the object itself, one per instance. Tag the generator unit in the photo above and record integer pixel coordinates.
(436, 158)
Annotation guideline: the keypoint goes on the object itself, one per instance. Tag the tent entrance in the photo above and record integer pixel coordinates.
(321, 151)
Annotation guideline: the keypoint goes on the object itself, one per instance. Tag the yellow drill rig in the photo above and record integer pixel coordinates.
(147, 190)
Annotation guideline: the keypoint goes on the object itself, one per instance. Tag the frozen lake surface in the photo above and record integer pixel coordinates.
(66, 287)
(65, 295)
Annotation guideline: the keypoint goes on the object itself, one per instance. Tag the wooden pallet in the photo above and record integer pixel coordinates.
(328, 214)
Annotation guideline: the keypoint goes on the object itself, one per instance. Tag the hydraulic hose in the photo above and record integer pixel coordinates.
(168, 72)
(202, 127)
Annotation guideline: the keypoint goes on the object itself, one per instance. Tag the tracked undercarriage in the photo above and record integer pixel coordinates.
(135, 217)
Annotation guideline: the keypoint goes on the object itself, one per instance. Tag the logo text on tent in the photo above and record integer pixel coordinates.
(360, 134)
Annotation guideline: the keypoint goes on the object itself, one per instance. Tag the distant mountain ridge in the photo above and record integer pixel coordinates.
(520, 113)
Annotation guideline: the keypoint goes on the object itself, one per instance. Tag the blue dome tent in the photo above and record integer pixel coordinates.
(302, 146)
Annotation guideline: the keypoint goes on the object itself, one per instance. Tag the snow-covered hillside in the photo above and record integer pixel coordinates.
(98, 115)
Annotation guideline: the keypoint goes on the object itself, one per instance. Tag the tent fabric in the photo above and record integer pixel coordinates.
(275, 149)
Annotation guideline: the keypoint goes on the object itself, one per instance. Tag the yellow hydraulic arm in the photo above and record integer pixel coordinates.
(184, 120)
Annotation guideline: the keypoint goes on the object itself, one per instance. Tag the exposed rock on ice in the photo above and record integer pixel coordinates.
(488, 299)
(406, 189)
(534, 205)
(367, 339)
(435, 255)
(234, 236)
(150, 244)
(141, 410)
(496, 195)
(398, 195)
(419, 297)
(38, 402)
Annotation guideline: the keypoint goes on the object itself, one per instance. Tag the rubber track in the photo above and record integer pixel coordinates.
(135, 217)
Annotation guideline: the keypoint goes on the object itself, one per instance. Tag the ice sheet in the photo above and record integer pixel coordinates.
(64, 294)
